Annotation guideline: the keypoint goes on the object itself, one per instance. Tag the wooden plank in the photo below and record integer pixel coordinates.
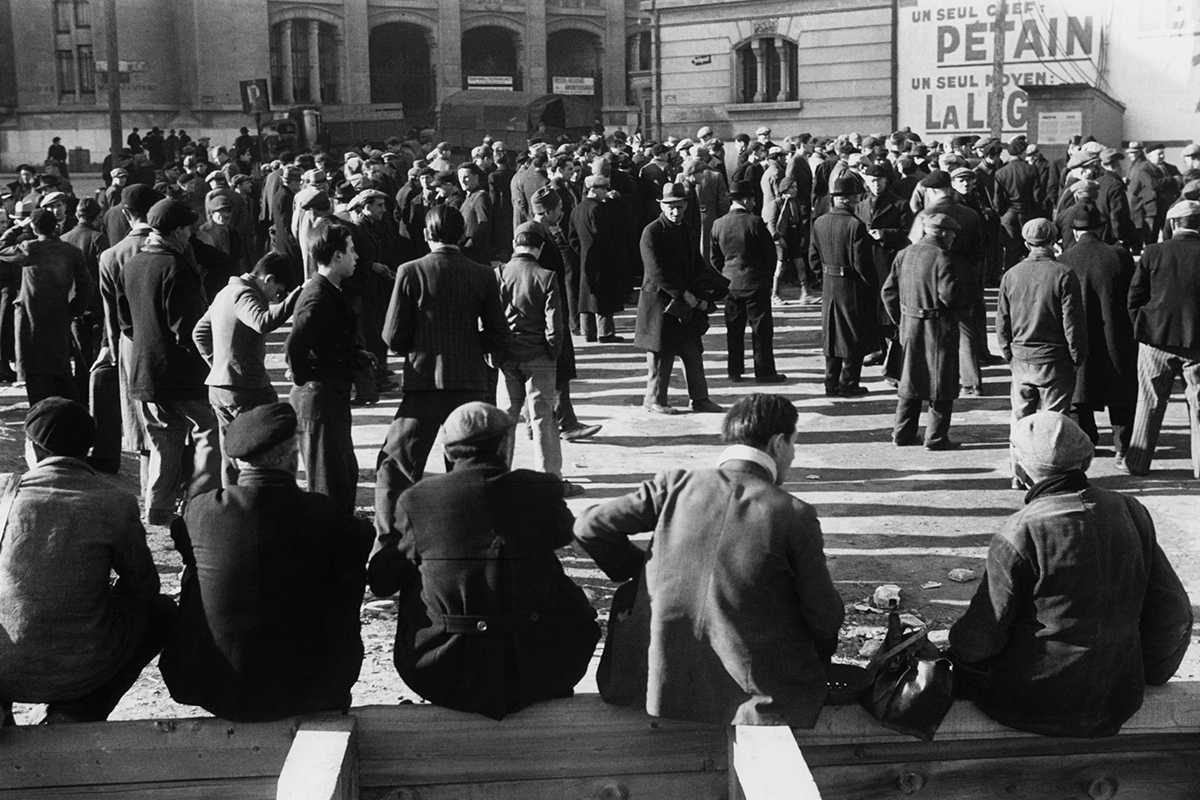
(323, 762)
(1134, 776)
(585, 736)
(44, 756)
(226, 789)
(766, 764)
(664, 786)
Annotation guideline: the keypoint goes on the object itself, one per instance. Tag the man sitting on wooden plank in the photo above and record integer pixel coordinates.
(1079, 608)
(735, 615)
(489, 622)
(272, 584)
(67, 637)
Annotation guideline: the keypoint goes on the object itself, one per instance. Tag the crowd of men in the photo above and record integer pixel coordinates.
(137, 321)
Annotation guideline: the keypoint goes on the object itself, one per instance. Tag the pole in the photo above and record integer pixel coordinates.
(996, 98)
(656, 44)
(115, 128)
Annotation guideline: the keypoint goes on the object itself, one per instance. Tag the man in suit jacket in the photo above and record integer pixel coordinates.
(678, 292)
(476, 209)
(272, 583)
(444, 317)
(744, 252)
(159, 301)
(735, 614)
(1164, 301)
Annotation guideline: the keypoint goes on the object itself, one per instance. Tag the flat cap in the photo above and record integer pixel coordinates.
(942, 222)
(1085, 186)
(366, 196)
(684, 145)
(1082, 158)
(1191, 151)
(938, 179)
(704, 133)
(1092, 146)
(763, 130)
(219, 202)
(531, 231)
(63, 427)
(50, 198)
(963, 172)
(167, 216)
(1039, 231)
(256, 431)
(875, 171)
(444, 146)
(139, 199)
(1184, 208)
(217, 176)
(119, 172)
(1110, 154)
(596, 180)
(314, 201)
(545, 199)
(673, 194)
(475, 422)
(1050, 441)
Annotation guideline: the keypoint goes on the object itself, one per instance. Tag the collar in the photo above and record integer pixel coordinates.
(440, 247)
(744, 452)
(258, 476)
(1184, 233)
(65, 462)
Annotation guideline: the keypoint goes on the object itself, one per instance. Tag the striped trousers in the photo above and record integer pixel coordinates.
(1156, 375)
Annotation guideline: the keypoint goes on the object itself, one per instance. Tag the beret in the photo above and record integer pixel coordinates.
(474, 422)
(938, 179)
(963, 172)
(1039, 231)
(531, 228)
(61, 426)
(1184, 208)
(1087, 217)
(845, 185)
(545, 199)
(167, 216)
(876, 171)
(941, 222)
(139, 198)
(1050, 440)
(256, 431)
(673, 194)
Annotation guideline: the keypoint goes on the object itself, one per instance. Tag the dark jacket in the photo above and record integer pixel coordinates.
(743, 250)
(1039, 315)
(159, 301)
(1108, 375)
(735, 612)
(1077, 611)
(1113, 203)
(553, 257)
(323, 345)
(849, 303)
(1019, 188)
(489, 622)
(269, 601)
(529, 296)
(922, 294)
(55, 287)
(671, 255)
(599, 241)
(444, 315)
(1164, 298)
(477, 238)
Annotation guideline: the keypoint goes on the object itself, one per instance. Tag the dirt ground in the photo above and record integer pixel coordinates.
(901, 516)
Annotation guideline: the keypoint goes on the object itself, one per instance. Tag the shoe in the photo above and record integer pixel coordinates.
(1119, 463)
(778, 377)
(571, 489)
(614, 339)
(705, 406)
(777, 301)
(872, 359)
(386, 385)
(908, 441)
(944, 444)
(971, 391)
(160, 516)
(831, 393)
(660, 408)
(892, 382)
(810, 298)
(990, 360)
(580, 431)
(853, 391)
(736, 378)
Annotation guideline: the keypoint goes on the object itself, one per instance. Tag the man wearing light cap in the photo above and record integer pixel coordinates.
(922, 295)
(1164, 301)
(159, 301)
(1079, 608)
(271, 587)
(1041, 327)
(68, 637)
(488, 621)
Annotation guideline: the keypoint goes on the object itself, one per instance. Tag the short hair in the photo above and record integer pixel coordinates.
(531, 237)
(88, 209)
(754, 419)
(444, 224)
(474, 169)
(329, 239)
(281, 456)
(275, 265)
(540, 158)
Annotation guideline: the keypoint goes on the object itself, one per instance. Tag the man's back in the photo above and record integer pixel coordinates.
(743, 249)
(1087, 611)
(1039, 316)
(1165, 294)
(735, 601)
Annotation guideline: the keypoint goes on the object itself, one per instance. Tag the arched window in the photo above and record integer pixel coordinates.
(766, 70)
(305, 62)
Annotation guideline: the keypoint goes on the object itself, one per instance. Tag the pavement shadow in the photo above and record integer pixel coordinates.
(642, 442)
(876, 541)
(889, 510)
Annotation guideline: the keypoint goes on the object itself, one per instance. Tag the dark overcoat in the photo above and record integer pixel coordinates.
(489, 622)
(671, 256)
(596, 237)
(552, 259)
(55, 287)
(269, 601)
(1109, 373)
(922, 295)
(891, 216)
(849, 316)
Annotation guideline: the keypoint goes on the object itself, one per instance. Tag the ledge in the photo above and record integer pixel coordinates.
(758, 109)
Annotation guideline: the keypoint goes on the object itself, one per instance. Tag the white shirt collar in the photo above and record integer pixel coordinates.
(744, 452)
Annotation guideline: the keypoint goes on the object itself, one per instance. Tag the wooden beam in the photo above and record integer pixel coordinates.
(766, 764)
(323, 762)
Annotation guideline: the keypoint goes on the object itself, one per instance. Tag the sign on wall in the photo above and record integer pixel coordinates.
(578, 86)
(1058, 128)
(497, 82)
(946, 55)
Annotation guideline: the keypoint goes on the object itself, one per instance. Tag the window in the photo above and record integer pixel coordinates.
(327, 52)
(62, 16)
(298, 49)
(276, 62)
(83, 14)
(87, 70)
(301, 89)
(767, 71)
(66, 74)
(637, 52)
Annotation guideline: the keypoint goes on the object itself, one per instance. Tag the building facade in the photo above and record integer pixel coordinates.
(389, 61)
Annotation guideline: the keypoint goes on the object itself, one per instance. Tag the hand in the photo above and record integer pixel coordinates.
(876, 234)
(690, 299)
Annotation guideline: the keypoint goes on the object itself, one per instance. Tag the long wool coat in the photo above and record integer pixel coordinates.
(596, 236)
(922, 295)
(841, 249)
(671, 255)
